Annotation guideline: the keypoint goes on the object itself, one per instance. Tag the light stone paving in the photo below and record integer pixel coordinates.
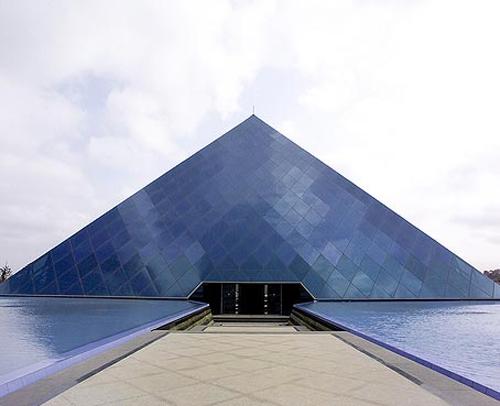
(247, 368)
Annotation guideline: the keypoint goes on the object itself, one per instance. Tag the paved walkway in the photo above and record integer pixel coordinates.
(247, 366)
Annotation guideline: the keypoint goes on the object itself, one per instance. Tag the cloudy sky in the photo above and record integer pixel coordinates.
(99, 98)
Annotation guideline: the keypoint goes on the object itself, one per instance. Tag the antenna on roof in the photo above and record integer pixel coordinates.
(253, 109)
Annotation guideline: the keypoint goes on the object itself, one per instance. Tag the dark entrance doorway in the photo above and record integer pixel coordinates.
(251, 298)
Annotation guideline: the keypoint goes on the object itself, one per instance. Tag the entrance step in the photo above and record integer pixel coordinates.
(250, 328)
(253, 318)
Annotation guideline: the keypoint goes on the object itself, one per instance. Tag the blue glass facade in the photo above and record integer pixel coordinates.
(252, 206)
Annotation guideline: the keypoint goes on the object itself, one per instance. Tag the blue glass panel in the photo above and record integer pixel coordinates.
(64, 264)
(393, 267)
(304, 228)
(338, 283)
(376, 253)
(83, 250)
(379, 293)
(480, 281)
(434, 284)
(79, 238)
(104, 252)
(331, 253)
(181, 264)
(416, 267)
(87, 265)
(369, 267)
(251, 264)
(354, 293)
(346, 267)
(110, 264)
(386, 282)
(496, 293)
(363, 283)
(355, 252)
(126, 252)
(120, 239)
(99, 237)
(286, 253)
(458, 281)
(411, 282)
(123, 290)
(403, 292)
(75, 289)
(453, 292)
(93, 283)
(263, 254)
(115, 280)
(194, 252)
(156, 266)
(382, 240)
(142, 284)
(313, 217)
(61, 251)
(299, 267)
(314, 282)
(323, 267)
(133, 266)
(188, 280)
(478, 292)
(69, 278)
(43, 278)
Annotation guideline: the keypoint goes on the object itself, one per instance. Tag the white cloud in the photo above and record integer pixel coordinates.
(98, 98)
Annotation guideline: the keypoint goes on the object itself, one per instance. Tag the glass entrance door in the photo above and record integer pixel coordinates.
(230, 298)
(273, 299)
(251, 298)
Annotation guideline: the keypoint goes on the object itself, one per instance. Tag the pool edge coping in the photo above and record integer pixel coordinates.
(450, 374)
(89, 350)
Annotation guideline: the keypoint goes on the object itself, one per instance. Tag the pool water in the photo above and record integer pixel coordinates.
(38, 331)
(462, 337)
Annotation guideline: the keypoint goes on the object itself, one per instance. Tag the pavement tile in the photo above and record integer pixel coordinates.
(133, 370)
(250, 382)
(183, 363)
(147, 400)
(200, 394)
(294, 395)
(331, 383)
(102, 393)
(247, 364)
(245, 401)
(160, 382)
(409, 395)
(59, 401)
(209, 372)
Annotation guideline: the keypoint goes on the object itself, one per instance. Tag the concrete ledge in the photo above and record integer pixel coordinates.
(311, 323)
(203, 316)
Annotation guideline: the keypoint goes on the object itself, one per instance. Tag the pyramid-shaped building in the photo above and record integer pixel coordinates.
(252, 207)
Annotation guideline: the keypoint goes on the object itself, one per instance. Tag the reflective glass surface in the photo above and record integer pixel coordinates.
(252, 206)
(460, 336)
